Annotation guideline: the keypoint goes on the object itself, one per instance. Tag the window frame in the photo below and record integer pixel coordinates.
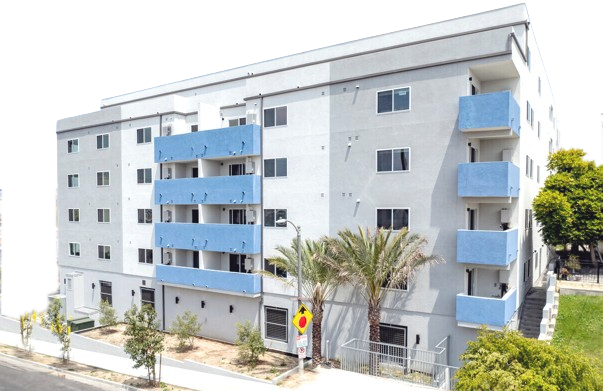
(71, 247)
(104, 175)
(72, 215)
(284, 326)
(142, 299)
(392, 209)
(141, 133)
(393, 106)
(102, 139)
(393, 170)
(144, 176)
(107, 296)
(276, 167)
(70, 180)
(275, 218)
(70, 143)
(276, 124)
(105, 256)
(105, 212)
(144, 216)
(143, 256)
(273, 269)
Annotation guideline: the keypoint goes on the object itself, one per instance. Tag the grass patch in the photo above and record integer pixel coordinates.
(580, 326)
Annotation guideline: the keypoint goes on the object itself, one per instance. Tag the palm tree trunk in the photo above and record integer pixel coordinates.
(374, 318)
(316, 335)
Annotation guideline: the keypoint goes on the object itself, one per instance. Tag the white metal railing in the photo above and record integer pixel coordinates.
(398, 362)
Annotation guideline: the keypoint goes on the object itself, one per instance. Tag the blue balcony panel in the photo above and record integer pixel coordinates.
(240, 189)
(213, 280)
(232, 238)
(489, 112)
(488, 179)
(241, 140)
(474, 311)
(487, 248)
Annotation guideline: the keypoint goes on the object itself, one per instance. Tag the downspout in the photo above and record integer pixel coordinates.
(160, 249)
(261, 211)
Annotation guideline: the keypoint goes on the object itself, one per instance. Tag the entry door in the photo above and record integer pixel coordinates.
(470, 278)
(195, 216)
(472, 219)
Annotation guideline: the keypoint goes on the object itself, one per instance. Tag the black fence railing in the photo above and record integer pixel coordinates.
(583, 270)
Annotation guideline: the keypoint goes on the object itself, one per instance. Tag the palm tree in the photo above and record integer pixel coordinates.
(318, 281)
(375, 262)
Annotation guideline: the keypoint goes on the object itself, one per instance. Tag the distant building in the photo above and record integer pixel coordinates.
(171, 196)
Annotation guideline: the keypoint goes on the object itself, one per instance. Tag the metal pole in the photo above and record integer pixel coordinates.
(299, 288)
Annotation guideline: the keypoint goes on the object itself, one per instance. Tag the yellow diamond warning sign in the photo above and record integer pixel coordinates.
(302, 319)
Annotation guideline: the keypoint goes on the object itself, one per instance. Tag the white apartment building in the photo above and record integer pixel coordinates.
(170, 195)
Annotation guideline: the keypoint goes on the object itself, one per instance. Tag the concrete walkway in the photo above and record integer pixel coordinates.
(188, 374)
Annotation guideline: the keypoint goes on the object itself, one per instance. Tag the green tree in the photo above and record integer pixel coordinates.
(375, 262)
(186, 327)
(501, 361)
(108, 317)
(570, 205)
(144, 340)
(54, 319)
(319, 280)
(250, 343)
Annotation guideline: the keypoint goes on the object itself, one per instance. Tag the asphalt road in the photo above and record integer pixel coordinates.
(16, 375)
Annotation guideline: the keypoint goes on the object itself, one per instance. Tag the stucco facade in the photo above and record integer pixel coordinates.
(443, 128)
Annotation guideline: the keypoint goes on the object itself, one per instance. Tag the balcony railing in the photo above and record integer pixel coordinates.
(234, 141)
(240, 189)
(232, 238)
(489, 112)
(490, 311)
(488, 179)
(492, 248)
(215, 280)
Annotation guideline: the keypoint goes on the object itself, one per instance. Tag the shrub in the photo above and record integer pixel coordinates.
(108, 316)
(186, 327)
(250, 343)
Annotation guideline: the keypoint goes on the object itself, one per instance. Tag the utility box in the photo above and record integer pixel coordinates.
(81, 324)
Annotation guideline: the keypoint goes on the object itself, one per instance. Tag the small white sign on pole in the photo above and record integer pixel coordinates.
(301, 341)
(301, 352)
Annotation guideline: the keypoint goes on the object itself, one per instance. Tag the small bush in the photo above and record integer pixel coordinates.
(250, 343)
(107, 315)
(186, 327)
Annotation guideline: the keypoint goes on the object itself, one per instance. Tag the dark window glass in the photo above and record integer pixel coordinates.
(281, 167)
(147, 297)
(281, 116)
(269, 168)
(401, 99)
(384, 102)
(106, 292)
(269, 220)
(276, 324)
(269, 118)
(277, 271)
(400, 219)
(384, 161)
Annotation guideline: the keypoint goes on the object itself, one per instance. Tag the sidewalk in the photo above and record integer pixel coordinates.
(189, 374)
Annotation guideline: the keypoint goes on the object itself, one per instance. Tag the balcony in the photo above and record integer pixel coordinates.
(488, 179)
(217, 143)
(473, 311)
(214, 280)
(232, 238)
(487, 248)
(494, 115)
(219, 190)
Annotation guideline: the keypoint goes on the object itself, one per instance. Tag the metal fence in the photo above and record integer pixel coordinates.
(587, 272)
(398, 362)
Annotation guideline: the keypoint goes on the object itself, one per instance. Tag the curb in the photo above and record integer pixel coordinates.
(68, 373)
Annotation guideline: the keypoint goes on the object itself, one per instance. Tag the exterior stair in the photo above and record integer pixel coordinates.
(531, 315)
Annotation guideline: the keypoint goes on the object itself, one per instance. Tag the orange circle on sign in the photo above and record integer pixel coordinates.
(302, 322)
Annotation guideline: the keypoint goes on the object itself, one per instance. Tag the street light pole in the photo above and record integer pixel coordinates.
(299, 280)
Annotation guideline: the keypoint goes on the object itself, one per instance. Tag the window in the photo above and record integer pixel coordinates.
(106, 292)
(529, 111)
(74, 249)
(73, 180)
(393, 100)
(73, 146)
(276, 116)
(237, 216)
(74, 215)
(275, 167)
(147, 296)
(144, 175)
(145, 216)
(539, 86)
(271, 216)
(389, 160)
(102, 141)
(276, 323)
(537, 174)
(241, 121)
(194, 128)
(104, 252)
(529, 58)
(143, 135)
(538, 130)
(529, 167)
(236, 169)
(528, 216)
(395, 219)
(277, 271)
(103, 215)
(102, 178)
(145, 255)
(240, 263)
